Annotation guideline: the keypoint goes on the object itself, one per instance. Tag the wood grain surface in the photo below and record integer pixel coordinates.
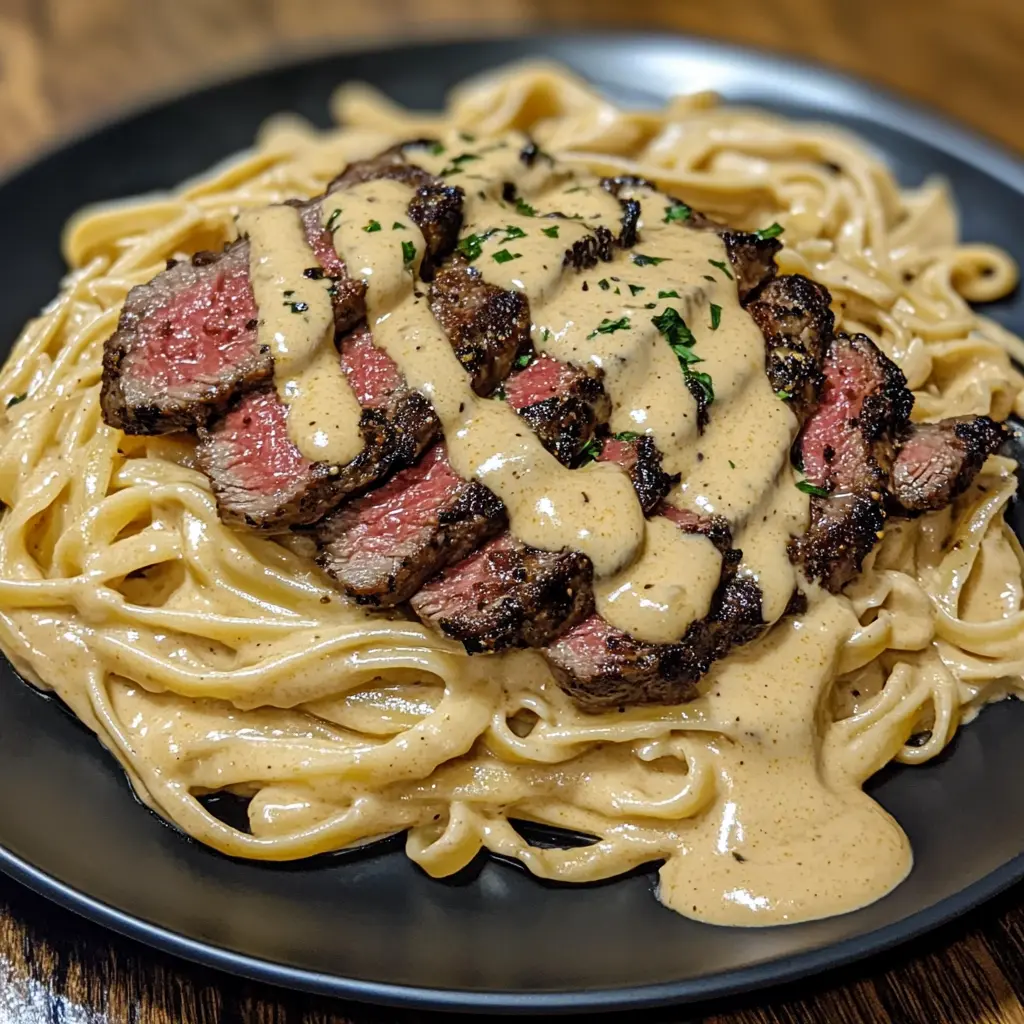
(64, 63)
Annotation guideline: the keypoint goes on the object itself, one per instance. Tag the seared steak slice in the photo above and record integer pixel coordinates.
(796, 320)
(185, 344)
(847, 447)
(937, 461)
(262, 481)
(382, 547)
(638, 455)
(562, 403)
(487, 326)
(508, 594)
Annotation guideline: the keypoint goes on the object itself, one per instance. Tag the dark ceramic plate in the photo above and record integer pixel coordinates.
(372, 926)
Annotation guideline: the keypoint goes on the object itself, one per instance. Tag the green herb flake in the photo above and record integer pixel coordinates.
(636, 289)
(607, 326)
(626, 435)
(435, 149)
(772, 231)
(732, 465)
(524, 360)
(333, 219)
(716, 316)
(458, 163)
(575, 188)
(722, 267)
(648, 261)
(672, 327)
(650, 305)
(398, 226)
(708, 277)
(512, 232)
(288, 292)
(17, 399)
(524, 208)
(590, 451)
(470, 245)
(603, 284)
(504, 256)
(374, 225)
(408, 252)
(545, 334)
(808, 488)
(466, 137)
(551, 232)
(676, 212)
(668, 295)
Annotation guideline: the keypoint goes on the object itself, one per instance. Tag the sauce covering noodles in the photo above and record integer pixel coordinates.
(210, 660)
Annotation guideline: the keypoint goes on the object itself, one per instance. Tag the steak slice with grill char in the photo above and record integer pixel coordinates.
(564, 405)
(640, 458)
(937, 462)
(602, 667)
(382, 547)
(508, 594)
(262, 480)
(185, 344)
(847, 447)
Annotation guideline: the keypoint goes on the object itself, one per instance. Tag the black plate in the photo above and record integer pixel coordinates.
(373, 926)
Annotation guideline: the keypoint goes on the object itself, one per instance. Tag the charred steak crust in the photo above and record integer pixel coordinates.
(564, 405)
(185, 344)
(641, 459)
(487, 326)
(796, 319)
(937, 462)
(381, 548)
(842, 532)
(508, 594)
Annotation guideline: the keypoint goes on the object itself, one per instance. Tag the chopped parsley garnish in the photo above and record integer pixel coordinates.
(523, 207)
(513, 232)
(524, 360)
(672, 327)
(716, 316)
(668, 295)
(466, 137)
(650, 305)
(808, 488)
(590, 451)
(636, 289)
(626, 435)
(703, 381)
(732, 465)
(435, 149)
(504, 256)
(708, 277)
(677, 211)
(722, 267)
(374, 225)
(551, 232)
(575, 188)
(603, 284)
(288, 292)
(784, 395)
(297, 307)
(333, 219)
(545, 334)
(607, 326)
(408, 252)
(644, 261)
(457, 163)
(772, 231)
(398, 226)
(470, 245)
(16, 399)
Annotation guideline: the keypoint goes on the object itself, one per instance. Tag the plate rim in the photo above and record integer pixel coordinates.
(906, 116)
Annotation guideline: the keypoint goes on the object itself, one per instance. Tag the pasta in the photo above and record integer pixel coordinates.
(208, 660)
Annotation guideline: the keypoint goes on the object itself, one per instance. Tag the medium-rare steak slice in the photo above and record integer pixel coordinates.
(847, 447)
(796, 319)
(508, 594)
(487, 326)
(262, 480)
(185, 344)
(382, 547)
(936, 462)
(562, 403)
(638, 455)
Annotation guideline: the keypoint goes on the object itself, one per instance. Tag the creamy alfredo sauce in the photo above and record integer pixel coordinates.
(781, 842)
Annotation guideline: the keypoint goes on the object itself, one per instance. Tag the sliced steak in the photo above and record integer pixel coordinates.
(796, 319)
(508, 594)
(381, 548)
(847, 448)
(262, 481)
(562, 403)
(185, 344)
(638, 455)
(938, 461)
(487, 326)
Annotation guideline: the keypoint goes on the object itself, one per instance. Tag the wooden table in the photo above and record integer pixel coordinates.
(65, 62)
